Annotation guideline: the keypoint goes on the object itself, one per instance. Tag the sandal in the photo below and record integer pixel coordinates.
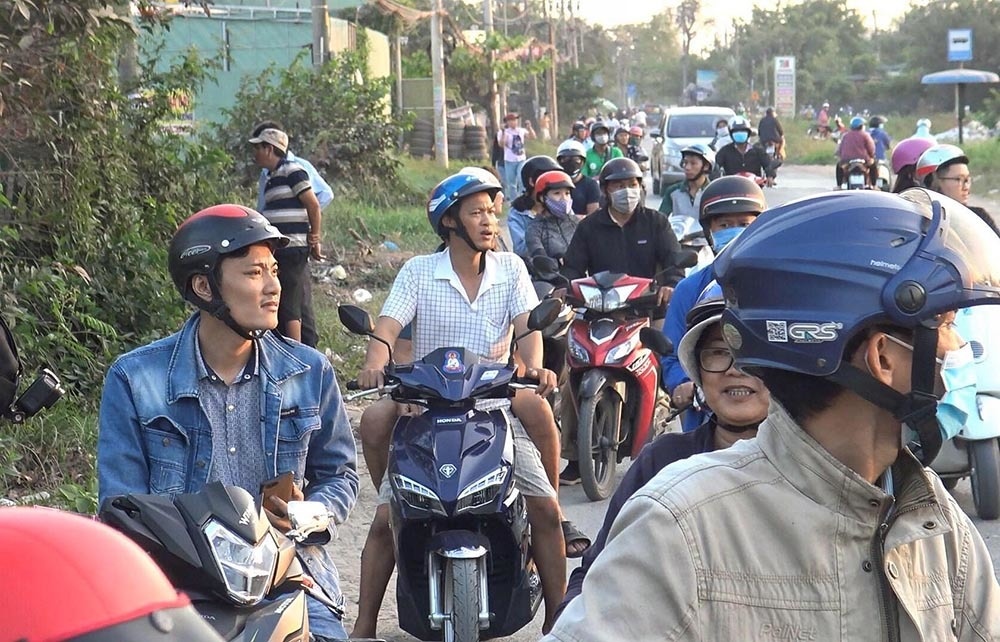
(574, 535)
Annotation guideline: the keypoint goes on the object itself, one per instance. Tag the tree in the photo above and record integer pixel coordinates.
(686, 18)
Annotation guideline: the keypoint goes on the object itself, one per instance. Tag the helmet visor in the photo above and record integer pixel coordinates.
(957, 245)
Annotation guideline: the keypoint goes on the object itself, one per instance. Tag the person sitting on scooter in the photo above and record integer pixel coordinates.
(602, 151)
(225, 399)
(883, 141)
(571, 155)
(826, 523)
(683, 198)
(856, 144)
(728, 206)
(525, 207)
(740, 155)
(737, 401)
(945, 169)
(721, 138)
(466, 295)
(550, 232)
(904, 162)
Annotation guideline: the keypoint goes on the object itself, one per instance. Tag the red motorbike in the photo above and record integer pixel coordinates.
(614, 373)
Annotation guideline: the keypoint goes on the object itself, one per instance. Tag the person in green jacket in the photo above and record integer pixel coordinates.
(601, 152)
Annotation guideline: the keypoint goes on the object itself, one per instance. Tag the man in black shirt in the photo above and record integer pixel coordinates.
(586, 194)
(740, 155)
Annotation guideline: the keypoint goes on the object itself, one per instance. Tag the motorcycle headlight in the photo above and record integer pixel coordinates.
(482, 491)
(623, 350)
(417, 495)
(606, 300)
(577, 351)
(247, 569)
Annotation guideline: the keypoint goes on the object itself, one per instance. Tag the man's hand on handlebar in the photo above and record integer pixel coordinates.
(547, 380)
(371, 377)
(663, 296)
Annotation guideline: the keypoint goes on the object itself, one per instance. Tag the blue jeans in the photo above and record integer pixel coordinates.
(512, 178)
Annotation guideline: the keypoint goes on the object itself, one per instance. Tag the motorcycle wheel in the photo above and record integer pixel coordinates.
(984, 459)
(597, 441)
(461, 600)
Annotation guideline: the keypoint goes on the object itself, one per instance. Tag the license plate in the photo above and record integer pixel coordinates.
(770, 150)
(856, 180)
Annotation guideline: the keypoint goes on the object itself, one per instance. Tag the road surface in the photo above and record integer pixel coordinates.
(793, 182)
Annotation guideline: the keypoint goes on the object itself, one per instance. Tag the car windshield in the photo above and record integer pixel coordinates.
(692, 125)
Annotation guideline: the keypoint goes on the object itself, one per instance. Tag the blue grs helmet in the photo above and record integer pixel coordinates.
(453, 189)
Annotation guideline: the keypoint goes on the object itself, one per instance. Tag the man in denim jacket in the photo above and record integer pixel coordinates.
(227, 400)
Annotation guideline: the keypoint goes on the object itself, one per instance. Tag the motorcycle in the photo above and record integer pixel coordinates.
(855, 173)
(884, 181)
(554, 343)
(242, 575)
(614, 373)
(459, 525)
(757, 178)
(974, 452)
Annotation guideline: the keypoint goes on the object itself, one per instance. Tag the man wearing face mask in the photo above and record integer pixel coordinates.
(728, 205)
(844, 306)
(602, 151)
(740, 155)
(626, 236)
(586, 193)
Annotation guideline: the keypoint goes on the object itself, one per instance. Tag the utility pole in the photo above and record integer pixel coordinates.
(552, 97)
(321, 31)
(491, 58)
(437, 79)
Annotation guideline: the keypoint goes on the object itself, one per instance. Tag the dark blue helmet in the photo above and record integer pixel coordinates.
(453, 189)
(809, 275)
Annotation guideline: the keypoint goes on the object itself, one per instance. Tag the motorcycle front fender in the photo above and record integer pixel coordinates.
(593, 380)
(283, 619)
(987, 424)
(459, 544)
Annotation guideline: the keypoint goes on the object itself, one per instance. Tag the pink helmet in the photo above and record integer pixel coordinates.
(908, 151)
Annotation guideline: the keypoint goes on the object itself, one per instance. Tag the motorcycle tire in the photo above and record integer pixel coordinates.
(984, 460)
(461, 600)
(597, 442)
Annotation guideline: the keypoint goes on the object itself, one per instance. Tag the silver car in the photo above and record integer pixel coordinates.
(685, 126)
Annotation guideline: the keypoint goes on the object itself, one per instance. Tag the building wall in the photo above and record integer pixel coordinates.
(248, 39)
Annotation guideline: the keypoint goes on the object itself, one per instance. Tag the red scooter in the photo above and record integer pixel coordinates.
(614, 373)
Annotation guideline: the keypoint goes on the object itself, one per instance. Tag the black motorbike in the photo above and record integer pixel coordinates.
(460, 527)
(241, 574)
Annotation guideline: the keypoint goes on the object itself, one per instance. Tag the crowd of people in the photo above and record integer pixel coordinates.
(792, 501)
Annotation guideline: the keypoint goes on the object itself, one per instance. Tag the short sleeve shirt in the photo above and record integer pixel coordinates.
(584, 193)
(428, 292)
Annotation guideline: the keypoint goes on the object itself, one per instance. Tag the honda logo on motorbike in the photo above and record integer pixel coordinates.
(447, 470)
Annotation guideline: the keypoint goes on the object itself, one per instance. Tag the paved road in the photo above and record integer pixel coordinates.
(793, 182)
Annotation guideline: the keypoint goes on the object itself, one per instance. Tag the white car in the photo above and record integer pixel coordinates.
(684, 126)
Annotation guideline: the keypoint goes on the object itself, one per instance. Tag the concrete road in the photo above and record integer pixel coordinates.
(793, 182)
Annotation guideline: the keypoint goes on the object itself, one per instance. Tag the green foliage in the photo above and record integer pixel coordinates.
(337, 116)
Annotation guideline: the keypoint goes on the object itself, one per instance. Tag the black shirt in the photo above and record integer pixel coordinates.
(584, 193)
(732, 161)
(662, 451)
(769, 130)
(643, 246)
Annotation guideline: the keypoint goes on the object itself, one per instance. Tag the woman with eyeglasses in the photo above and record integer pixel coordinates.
(737, 403)
(945, 169)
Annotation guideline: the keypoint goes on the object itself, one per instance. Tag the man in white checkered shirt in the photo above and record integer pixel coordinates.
(474, 298)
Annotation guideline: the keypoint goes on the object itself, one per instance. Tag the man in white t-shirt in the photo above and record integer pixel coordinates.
(513, 138)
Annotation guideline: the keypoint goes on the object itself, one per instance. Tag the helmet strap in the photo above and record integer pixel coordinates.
(460, 231)
(218, 309)
(917, 408)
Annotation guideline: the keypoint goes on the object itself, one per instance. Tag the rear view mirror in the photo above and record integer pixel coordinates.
(355, 319)
(544, 314)
(687, 259)
(544, 265)
(656, 341)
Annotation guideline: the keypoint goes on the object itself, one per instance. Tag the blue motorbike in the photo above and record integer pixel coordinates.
(460, 527)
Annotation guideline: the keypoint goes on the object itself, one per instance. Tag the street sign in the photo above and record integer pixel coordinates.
(959, 45)
(784, 85)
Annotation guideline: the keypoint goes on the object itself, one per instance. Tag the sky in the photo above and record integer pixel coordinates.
(636, 11)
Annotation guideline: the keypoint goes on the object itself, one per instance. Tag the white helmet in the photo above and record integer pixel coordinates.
(482, 174)
(571, 148)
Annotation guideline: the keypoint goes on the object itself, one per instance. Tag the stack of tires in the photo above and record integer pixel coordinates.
(456, 138)
(422, 139)
(475, 143)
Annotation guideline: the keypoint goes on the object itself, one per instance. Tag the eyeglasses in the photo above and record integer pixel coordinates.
(965, 181)
(715, 359)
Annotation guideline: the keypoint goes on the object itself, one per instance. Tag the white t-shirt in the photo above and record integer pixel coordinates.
(508, 138)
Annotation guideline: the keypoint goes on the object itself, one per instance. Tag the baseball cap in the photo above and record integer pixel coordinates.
(511, 116)
(274, 137)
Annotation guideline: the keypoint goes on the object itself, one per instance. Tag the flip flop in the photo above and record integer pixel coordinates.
(574, 535)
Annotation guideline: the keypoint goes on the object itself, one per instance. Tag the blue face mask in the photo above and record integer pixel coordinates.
(724, 237)
(958, 403)
(740, 137)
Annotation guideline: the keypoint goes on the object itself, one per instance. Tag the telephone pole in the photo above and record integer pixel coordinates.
(491, 57)
(321, 32)
(552, 97)
(437, 79)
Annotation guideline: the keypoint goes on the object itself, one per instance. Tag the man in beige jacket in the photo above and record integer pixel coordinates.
(825, 527)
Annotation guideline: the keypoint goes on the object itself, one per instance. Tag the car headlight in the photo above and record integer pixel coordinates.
(417, 495)
(247, 569)
(577, 351)
(623, 350)
(482, 491)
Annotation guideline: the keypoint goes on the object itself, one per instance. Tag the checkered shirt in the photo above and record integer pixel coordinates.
(429, 293)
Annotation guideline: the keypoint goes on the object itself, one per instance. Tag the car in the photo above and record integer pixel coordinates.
(685, 126)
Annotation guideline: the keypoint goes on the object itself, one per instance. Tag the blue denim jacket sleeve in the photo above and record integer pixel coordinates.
(517, 225)
(331, 465)
(119, 440)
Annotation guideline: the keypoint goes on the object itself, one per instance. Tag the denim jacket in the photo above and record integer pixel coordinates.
(155, 438)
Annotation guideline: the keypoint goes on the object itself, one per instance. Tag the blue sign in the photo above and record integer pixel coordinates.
(631, 90)
(959, 45)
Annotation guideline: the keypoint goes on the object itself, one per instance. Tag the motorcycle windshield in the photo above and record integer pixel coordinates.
(453, 374)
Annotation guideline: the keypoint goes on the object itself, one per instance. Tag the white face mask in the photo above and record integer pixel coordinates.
(601, 139)
(626, 199)
(722, 132)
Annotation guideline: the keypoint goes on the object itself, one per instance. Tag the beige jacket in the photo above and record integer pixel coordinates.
(774, 539)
